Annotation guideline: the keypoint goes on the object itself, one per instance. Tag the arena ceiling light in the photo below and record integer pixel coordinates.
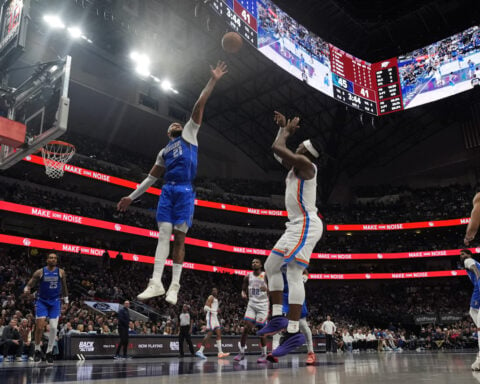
(142, 70)
(75, 32)
(54, 21)
(166, 85)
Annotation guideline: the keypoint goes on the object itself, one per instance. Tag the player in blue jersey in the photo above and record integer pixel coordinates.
(52, 287)
(177, 163)
(304, 328)
(473, 270)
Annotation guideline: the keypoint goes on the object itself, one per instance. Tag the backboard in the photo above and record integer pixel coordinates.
(41, 103)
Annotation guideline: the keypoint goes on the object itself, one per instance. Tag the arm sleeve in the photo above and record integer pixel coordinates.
(147, 183)
(469, 263)
(278, 158)
(190, 132)
(160, 161)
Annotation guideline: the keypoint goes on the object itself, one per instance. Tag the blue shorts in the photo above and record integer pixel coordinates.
(47, 308)
(176, 204)
(286, 308)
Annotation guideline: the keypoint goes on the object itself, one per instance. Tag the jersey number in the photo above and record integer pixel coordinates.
(177, 152)
(53, 285)
(254, 291)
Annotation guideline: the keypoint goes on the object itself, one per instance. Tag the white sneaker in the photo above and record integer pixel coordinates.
(153, 289)
(476, 364)
(172, 293)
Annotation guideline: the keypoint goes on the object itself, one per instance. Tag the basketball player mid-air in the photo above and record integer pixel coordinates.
(304, 230)
(52, 287)
(177, 163)
(473, 270)
(255, 288)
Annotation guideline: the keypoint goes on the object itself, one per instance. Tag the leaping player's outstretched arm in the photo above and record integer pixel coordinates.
(216, 74)
(300, 162)
(474, 223)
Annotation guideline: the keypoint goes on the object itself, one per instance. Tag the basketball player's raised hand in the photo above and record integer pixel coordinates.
(292, 125)
(279, 119)
(124, 203)
(219, 70)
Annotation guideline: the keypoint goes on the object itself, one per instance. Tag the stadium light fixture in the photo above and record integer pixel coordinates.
(142, 70)
(75, 32)
(166, 85)
(54, 21)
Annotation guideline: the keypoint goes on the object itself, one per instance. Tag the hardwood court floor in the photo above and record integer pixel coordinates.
(372, 368)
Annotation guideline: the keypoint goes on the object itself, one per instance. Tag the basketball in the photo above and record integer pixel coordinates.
(232, 42)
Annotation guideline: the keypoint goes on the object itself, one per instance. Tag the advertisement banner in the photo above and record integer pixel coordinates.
(103, 307)
(104, 346)
(426, 318)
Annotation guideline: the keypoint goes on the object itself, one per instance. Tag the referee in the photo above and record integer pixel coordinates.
(185, 330)
(123, 322)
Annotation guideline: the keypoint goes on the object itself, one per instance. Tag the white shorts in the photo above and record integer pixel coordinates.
(257, 313)
(299, 239)
(212, 321)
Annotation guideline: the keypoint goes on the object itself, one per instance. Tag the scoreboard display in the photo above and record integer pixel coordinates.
(240, 16)
(387, 83)
(430, 73)
(352, 81)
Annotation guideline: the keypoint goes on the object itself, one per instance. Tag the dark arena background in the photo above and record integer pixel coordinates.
(390, 90)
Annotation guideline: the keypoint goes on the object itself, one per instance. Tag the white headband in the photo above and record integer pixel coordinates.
(308, 144)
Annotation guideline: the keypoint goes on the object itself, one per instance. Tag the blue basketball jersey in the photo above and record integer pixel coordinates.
(180, 161)
(50, 285)
(475, 300)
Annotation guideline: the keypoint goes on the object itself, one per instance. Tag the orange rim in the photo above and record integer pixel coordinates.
(58, 142)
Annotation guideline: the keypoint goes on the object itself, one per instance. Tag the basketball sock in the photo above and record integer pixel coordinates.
(264, 350)
(201, 349)
(162, 251)
(277, 309)
(176, 273)
(305, 329)
(293, 326)
(38, 347)
(219, 346)
(242, 349)
(276, 340)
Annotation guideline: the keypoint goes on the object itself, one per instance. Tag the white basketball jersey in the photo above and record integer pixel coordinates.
(214, 305)
(300, 196)
(255, 293)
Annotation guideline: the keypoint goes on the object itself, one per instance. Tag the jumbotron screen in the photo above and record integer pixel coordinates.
(439, 70)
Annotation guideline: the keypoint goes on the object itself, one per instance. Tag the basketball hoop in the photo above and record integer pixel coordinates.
(55, 155)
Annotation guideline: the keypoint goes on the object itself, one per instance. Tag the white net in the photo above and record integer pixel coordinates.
(55, 155)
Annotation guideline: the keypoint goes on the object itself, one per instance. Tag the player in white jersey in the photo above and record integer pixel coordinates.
(213, 325)
(255, 288)
(304, 230)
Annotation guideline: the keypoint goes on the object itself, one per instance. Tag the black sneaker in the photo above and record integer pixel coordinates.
(50, 358)
(37, 357)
